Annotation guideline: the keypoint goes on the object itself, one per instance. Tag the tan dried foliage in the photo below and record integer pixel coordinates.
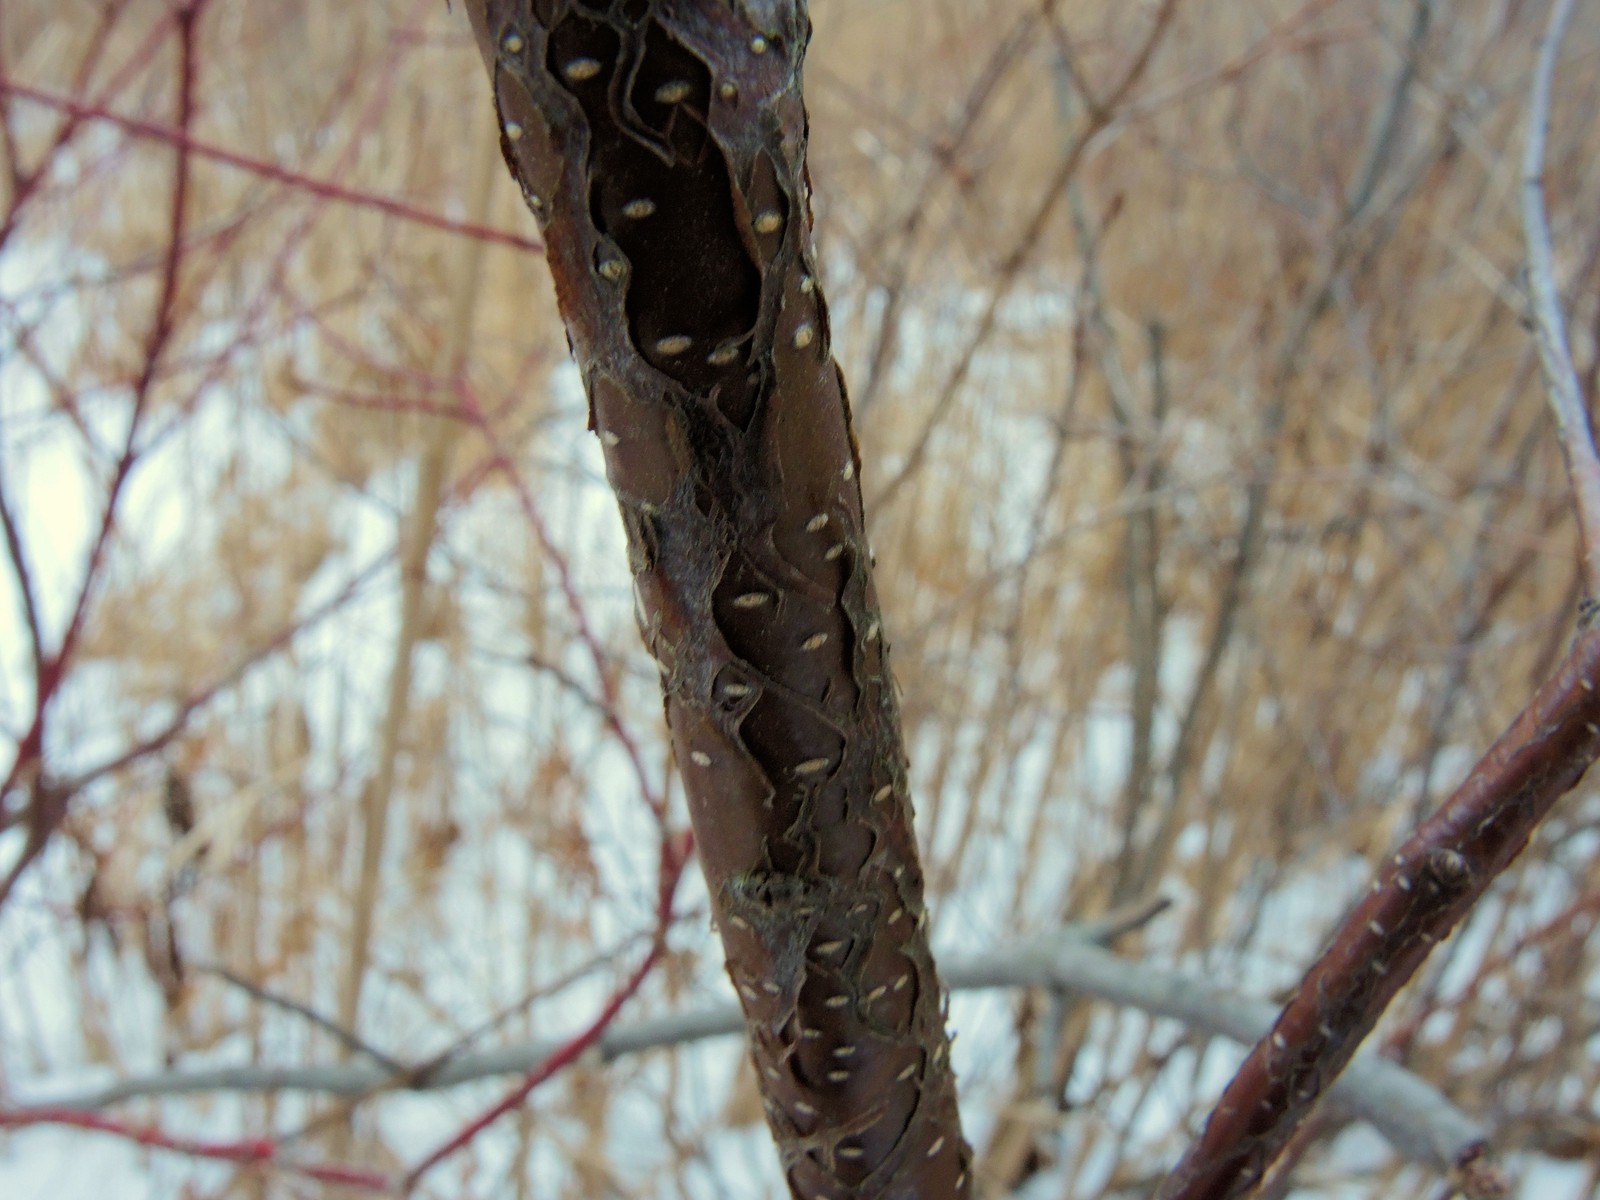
(1067, 520)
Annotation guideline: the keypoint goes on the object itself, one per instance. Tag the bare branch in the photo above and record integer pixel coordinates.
(663, 149)
(324, 189)
(248, 1152)
(549, 1064)
(346, 1037)
(18, 556)
(1419, 1121)
(51, 668)
(1550, 327)
(1100, 115)
(416, 539)
(1419, 896)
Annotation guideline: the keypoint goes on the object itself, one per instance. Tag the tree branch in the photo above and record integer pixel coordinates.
(346, 1037)
(662, 147)
(1419, 1121)
(322, 188)
(418, 532)
(1419, 896)
(1099, 115)
(249, 1152)
(51, 669)
(1550, 328)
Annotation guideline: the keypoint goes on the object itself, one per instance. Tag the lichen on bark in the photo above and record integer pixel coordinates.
(662, 145)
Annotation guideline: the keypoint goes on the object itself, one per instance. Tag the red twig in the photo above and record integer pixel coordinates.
(51, 668)
(654, 797)
(251, 1151)
(24, 578)
(675, 852)
(24, 183)
(326, 189)
(48, 805)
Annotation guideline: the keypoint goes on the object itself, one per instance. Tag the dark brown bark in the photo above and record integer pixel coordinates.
(661, 146)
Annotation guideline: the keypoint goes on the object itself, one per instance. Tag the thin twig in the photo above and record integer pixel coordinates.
(1550, 328)
(339, 1032)
(321, 188)
(51, 668)
(417, 535)
(24, 580)
(249, 1152)
(675, 853)
(1100, 116)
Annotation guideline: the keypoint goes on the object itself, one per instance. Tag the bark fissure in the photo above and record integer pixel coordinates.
(661, 146)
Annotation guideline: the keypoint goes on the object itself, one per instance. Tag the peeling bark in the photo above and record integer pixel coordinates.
(661, 145)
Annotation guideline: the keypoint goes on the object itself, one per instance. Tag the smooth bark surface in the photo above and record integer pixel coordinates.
(662, 147)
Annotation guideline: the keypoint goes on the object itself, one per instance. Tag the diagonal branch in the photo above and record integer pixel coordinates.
(18, 556)
(1101, 112)
(346, 1037)
(1420, 895)
(324, 189)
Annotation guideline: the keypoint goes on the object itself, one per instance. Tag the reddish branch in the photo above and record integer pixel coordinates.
(610, 701)
(250, 1152)
(46, 801)
(675, 855)
(323, 188)
(47, 807)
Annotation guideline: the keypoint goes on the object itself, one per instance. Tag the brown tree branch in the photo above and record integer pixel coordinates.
(1419, 896)
(347, 1037)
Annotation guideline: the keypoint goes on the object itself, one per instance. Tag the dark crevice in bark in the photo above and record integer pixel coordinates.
(661, 146)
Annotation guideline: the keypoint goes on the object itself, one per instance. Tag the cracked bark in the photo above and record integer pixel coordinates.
(661, 146)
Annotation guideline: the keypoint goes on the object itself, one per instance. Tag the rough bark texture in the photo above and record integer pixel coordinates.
(661, 146)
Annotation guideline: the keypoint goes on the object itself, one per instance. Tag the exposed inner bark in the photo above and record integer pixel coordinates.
(662, 147)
